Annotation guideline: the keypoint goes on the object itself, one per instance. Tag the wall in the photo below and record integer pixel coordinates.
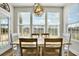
(11, 13)
(65, 11)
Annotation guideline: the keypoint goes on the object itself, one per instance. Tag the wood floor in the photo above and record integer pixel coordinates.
(10, 53)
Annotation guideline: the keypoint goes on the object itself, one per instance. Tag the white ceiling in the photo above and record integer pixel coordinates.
(43, 4)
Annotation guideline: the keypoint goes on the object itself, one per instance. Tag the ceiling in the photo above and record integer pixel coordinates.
(43, 4)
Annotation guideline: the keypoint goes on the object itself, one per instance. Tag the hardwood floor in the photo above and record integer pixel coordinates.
(7, 53)
(10, 53)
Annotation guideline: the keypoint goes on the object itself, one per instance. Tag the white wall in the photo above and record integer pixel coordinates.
(12, 16)
(11, 20)
(65, 17)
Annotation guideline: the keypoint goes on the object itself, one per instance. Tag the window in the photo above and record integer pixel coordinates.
(73, 21)
(24, 23)
(4, 31)
(53, 22)
(48, 22)
(38, 25)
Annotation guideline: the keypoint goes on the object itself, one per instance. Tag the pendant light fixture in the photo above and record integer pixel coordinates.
(38, 9)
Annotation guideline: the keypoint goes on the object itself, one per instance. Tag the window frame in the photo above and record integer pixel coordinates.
(51, 9)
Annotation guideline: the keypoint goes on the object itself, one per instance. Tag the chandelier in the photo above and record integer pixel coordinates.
(38, 9)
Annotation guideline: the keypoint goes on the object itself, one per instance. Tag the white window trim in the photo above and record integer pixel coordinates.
(8, 15)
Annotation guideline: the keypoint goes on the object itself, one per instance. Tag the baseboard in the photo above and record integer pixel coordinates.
(74, 52)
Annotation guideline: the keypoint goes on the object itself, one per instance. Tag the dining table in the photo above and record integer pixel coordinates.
(40, 44)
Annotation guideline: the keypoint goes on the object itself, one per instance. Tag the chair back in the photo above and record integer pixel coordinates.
(67, 37)
(35, 35)
(27, 41)
(53, 40)
(54, 43)
(45, 34)
(28, 44)
(13, 37)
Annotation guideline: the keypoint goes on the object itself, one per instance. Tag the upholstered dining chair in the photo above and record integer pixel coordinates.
(30, 48)
(35, 35)
(67, 38)
(44, 35)
(14, 37)
(52, 47)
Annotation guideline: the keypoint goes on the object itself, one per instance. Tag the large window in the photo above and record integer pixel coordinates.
(53, 21)
(73, 21)
(38, 25)
(48, 22)
(24, 23)
(4, 31)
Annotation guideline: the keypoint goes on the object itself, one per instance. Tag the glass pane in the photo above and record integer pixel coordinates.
(24, 23)
(38, 25)
(73, 14)
(73, 21)
(4, 31)
(53, 21)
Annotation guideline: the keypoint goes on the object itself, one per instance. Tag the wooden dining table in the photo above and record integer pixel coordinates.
(40, 44)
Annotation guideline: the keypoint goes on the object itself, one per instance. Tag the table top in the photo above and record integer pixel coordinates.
(40, 41)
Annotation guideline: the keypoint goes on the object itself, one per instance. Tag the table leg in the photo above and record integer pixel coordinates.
(40, 51)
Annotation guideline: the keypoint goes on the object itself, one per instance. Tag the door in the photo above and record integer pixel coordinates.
(4, 32)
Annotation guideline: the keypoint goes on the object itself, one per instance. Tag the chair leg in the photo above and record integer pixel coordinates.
(60, 52)
(68, 51)
(21, 52)
(43, 51)
(37, 52)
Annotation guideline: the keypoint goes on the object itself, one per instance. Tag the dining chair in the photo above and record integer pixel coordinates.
(52, 47)
(13, 37)
(45, 35)
(67, 38)
(30, 48)
(35, 35)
